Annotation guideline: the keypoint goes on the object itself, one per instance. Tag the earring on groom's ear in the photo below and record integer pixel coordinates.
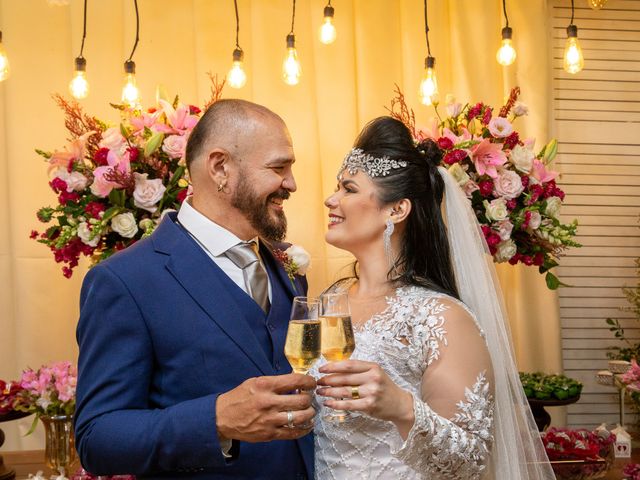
(221, 185)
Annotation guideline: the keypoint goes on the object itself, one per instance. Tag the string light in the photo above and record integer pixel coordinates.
(79, 86)
(429, 84)
(328, 30)
(4, 61)
(130, 92)
(573, 59)
(596, 4)
(291, 69)
(506, 54)
(236, 76)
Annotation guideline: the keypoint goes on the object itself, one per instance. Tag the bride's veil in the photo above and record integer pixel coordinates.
(517, 452)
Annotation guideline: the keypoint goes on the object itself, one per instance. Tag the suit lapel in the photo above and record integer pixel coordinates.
(201, 278)
(267, 253)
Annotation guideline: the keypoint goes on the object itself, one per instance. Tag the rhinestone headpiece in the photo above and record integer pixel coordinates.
(356, 160)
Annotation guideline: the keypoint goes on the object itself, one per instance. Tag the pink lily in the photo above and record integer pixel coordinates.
(74, 154)
(101, 187)
(487, 156)
(180, 120)
(430, 131)
(139, 122)
(457, 139)
(540, 172)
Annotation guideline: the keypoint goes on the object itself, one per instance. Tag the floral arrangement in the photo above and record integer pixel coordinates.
(8, 395)
(511, 187)
(631, 471)
(295, 260)
(579, 444)
(115, 183)
(50, 390)
(541, 386)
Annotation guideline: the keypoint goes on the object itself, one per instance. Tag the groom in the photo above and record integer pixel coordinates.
(181, 336)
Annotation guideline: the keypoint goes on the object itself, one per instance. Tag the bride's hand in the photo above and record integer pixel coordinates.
(365, 387)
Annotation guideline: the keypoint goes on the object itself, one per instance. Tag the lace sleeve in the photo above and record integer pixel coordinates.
(452, 434)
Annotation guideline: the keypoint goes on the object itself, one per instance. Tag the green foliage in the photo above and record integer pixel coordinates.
(544, 386)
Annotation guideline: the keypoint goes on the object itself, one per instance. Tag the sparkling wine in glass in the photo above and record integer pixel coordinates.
(302, 346)
(338, 341)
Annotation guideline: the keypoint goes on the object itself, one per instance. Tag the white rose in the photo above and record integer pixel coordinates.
(522, 158)
(125, 225)
(74, 180)
(496, 210)
(506, 250)
(520, 109)
(147, 192)
(175, 145)
(534, 221)
(508, 184)
(84, 232)
(505, 227)
(300, 257)
(113, 140)
(458, 173)
(553, 207)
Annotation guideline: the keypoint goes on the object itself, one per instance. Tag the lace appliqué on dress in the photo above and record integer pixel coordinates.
(452, 449)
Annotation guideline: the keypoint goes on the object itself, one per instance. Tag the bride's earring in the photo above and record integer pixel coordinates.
(388, 231)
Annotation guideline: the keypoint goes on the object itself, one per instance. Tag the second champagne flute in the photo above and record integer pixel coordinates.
(302, 346)
(338, 342)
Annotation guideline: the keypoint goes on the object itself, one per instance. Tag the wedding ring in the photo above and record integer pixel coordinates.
(290, 419)
(355, 393)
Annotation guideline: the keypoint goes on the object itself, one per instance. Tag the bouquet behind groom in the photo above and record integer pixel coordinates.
(181, 336)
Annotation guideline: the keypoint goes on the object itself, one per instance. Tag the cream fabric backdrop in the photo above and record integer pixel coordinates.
(380, 42)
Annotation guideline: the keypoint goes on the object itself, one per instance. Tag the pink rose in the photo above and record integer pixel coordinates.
(113, 140)
(175, 145)
(508, 184)
(74, 180)
(505, 227)
(148, 192)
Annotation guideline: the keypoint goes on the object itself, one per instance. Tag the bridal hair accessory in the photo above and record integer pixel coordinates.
(517, 450)
(356, 160)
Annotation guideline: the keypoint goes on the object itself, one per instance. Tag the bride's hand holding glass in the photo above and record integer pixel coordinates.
(361, 386)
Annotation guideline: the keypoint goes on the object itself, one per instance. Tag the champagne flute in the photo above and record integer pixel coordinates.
(338, 342)
(302, 346)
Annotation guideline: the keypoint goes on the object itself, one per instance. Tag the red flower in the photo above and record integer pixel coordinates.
(100, 157)
(527, 219)
(65, 197)
(486, 188)
(515, 259)
(511, 141)
(535, 192)
(511, 204)
(454, 156)
(493, 239)
(58, 185)
(33, 234)
(182, 194)
(445, 143)
(525, 180)
(94, 209)
(486, 118)
(134, 153)
(193, 110)
(538, 259)
(67, 272)
(527, 260)
(474, 111)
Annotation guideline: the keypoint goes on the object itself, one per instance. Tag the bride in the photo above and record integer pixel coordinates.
(432, 386)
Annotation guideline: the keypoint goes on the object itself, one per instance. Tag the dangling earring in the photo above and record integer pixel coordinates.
(221, 185)
(388, 231)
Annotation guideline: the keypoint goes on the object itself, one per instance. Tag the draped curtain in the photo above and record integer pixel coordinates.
(380, 44)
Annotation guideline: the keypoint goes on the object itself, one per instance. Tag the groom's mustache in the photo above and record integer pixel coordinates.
(282, 193)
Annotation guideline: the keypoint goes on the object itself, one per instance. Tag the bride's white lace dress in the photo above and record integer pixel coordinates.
(407, 339)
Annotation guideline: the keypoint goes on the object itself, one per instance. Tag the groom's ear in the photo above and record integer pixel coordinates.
(217, 164)
(401, 210)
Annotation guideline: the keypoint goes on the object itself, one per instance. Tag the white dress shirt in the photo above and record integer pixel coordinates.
(215, 241)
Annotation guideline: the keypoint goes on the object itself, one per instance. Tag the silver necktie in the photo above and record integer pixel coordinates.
(245, 256)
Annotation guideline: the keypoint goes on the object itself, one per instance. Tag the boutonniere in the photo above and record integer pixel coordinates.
(295, 260)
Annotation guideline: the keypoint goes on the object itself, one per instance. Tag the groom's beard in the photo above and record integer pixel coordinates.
(270, 225)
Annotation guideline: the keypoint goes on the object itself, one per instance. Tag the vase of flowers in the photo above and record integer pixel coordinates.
(50, 393)
(60, 451)
(510, 185)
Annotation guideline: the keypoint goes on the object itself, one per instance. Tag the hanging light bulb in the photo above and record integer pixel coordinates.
(236, 76)
(130, 93)
(506, 54)
(429, 84)
(596, 4)
(4, 61)
(78, 86)
(573, 59)
(328, 30)
(291, 69)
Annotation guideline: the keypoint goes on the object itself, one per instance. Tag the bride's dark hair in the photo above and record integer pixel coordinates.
(424, 257)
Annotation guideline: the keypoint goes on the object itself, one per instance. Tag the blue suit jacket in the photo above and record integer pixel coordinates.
(160, 338)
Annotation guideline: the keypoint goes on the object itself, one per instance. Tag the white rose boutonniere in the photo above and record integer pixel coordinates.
(295, 260)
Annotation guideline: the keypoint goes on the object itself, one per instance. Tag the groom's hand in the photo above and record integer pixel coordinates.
(256, 410)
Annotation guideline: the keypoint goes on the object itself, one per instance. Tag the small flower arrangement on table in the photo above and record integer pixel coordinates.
(49, 391)
(542, 386)
(115, 183)
(631, 471)
(512, 189)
